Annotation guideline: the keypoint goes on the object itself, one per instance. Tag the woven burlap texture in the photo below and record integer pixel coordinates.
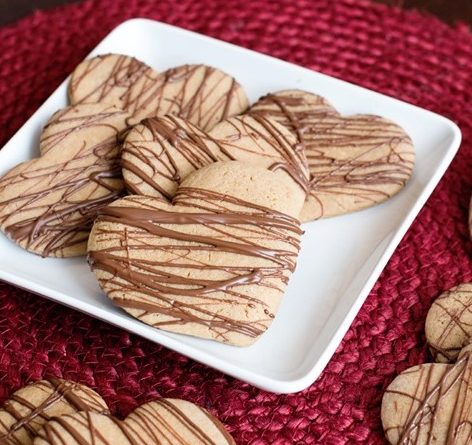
(404, 54)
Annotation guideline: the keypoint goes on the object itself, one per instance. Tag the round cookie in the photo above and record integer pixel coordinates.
(355, 162)
(160, 422)
(161, 152)
(47, 204)
(201, 94)
(448, 326)
(214, 264)
(430, 403)
(29, 408)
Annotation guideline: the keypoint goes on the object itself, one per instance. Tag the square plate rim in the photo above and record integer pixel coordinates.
(266, 382)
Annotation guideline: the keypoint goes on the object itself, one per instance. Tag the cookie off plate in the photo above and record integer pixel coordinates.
(341, 257)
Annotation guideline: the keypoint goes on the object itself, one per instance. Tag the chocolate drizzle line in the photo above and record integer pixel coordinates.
(31, 417)
(430, 400)
(199, 93)
(158, 155)
(173, 286)
(457, 321)
(81, 185)
(380, 165)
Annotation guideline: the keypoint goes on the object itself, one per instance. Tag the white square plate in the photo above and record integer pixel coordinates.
(340, 260)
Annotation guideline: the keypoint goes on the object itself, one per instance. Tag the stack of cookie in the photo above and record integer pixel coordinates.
(62, 412)
(208, 235)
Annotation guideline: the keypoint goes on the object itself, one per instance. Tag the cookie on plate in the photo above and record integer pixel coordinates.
(448, 326)
(29, 408)
(160, 422)
(202, 94)
(47, 205)
(160, 153)
(355, 161)
(214, 263)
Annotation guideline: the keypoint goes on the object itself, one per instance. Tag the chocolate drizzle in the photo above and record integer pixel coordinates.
(161, 152)
(21, 418)
(47, 205)
(354, 162)
(437, 410)
(201, 94)
(183, 264)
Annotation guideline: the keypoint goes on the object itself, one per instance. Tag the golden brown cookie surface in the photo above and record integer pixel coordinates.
(160, 153)
(448, 326)
(213, 264)
(355, 161)
(202, 94)
(160, 422)
(47, 204)
(29, 408)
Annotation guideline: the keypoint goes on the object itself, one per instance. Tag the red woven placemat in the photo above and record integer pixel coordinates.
(413, 57)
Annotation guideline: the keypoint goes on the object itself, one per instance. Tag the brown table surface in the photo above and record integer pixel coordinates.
(448, 10)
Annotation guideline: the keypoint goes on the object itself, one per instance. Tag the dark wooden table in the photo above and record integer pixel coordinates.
(448, 10)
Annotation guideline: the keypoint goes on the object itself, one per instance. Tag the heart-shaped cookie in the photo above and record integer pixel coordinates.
(47, 205)
(355, 162)
(202, 94)
(213, 264)
(161, 152)
(160, 422)
(448, 326)
(29, 408)
(430, 404)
